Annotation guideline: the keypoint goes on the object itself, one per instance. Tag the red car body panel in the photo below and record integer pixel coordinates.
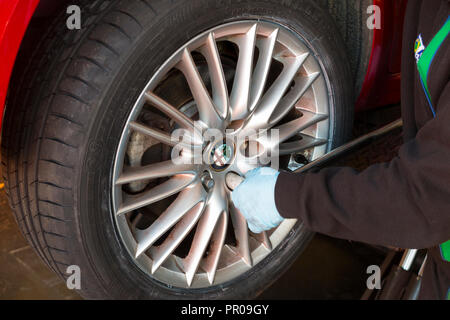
(14, 18)
(382, 80)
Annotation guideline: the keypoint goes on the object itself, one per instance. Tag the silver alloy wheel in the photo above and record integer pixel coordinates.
(200, 213)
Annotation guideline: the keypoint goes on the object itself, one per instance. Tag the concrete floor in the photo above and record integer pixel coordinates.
(22, 273)
(328, 269)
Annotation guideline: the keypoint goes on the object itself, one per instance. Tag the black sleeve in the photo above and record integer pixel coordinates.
(403, 203)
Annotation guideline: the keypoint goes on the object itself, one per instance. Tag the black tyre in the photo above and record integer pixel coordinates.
(69, 107)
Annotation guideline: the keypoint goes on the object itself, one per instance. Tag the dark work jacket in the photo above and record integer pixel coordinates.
(403, 203)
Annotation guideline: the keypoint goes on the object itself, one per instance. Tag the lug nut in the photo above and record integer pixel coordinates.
(207, 181)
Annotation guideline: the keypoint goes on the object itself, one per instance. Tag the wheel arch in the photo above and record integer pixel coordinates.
(16, 17)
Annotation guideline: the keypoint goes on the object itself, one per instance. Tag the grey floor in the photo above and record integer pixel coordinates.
(22, 274)
(328, 268)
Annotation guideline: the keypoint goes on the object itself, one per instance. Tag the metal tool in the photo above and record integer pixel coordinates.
(413, 289)
(399, 277)
(233, 180)
(352, 146)
(408, 259)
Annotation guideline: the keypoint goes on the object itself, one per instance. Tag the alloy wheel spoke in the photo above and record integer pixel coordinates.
(302, 84)
(264, 239)
(240, 93)
(177, 235)
(156, 134)
(186, 200)
(305, 143)
(206, 108)
(218, 81)
(271, 99)
(180, 118)
(182, 140)
(216, 243)
(153, 171)
(266, 47)
(241, 234)
(160, 192)
(291, 128)
(216, 206)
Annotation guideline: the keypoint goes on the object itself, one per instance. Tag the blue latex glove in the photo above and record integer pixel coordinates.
(255, 198)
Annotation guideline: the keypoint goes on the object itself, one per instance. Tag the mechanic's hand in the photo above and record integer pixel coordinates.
(255, 198)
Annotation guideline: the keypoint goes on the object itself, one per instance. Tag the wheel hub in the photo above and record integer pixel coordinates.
(221, 156)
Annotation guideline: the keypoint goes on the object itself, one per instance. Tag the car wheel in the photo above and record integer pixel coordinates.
(88, 140)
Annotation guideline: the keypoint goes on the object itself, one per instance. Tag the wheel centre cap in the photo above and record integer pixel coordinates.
(221, 156)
